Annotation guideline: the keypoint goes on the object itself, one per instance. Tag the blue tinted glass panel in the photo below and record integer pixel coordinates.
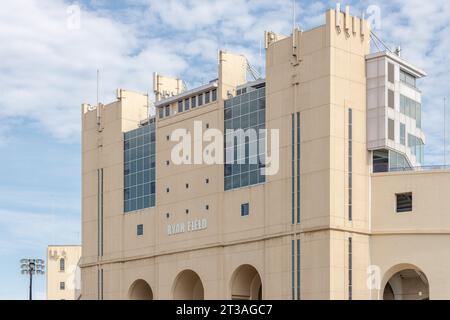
(139, 168)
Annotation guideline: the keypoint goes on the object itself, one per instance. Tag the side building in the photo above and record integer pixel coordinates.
(63, 274)
(343, 210)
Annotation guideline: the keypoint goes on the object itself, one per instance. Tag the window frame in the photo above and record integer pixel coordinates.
(245, 209)
(406, 209)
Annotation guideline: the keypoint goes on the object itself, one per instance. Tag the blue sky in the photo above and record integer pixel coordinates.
(47, 70)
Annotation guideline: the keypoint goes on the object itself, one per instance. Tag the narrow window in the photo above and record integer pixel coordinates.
(292, 168)
(140, 229)
(391, 129)
(293, 268)
(62, 264)
(206, 97)
(62, 286)
(390, 72)
(214, 95)
(402, 133)
(167, 111)
(350, 164)
(350, 269)
(200, 99)
(245, 209)
(194, 102)
(180, 106)
(404, 202)
(391, 100)
(161, 112)
(186, 104)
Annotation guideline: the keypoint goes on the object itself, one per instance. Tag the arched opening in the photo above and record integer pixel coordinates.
(140, 290)
(246, 284)
(407, 284)
(188, 286)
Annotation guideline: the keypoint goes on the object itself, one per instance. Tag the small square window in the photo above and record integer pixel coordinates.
(62, 286)
(404, 202)
(167, 190)
(207, 126)
(167, 215)
(167, 138)
(207, 180)
(245, 210)
(187, 211)
(167, 162)
(187, 185)
(140, 229)
(207, 207)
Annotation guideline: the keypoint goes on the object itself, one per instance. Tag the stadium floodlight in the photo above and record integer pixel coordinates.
(31, 267)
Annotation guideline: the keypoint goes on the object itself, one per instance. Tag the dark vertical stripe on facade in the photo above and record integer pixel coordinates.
(293, 168)
(298, 167)
(293, 268)
(350, 269)
(350, 165)
(298, 269)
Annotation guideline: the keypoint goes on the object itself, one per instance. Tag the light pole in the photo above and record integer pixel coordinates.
(32, 267)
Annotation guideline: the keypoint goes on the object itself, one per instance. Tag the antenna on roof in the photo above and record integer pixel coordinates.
(98, 76)
(445, 132)
(293, 15)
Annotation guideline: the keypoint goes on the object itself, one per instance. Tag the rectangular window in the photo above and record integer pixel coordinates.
(407, 78)
(140, 229)
(167, 111)
(180, 106)
(214, 95)
(140, 168)
(194, 102)
(207, 97)
(186, 105)
(200, 99)
(404, 202)
(391, 72)
(391, 99)
(350, 269)
(161, 112)
(62, 286)
(243, 157)
(391, 129)
(350, 164)
(402, 133)
(245, 209)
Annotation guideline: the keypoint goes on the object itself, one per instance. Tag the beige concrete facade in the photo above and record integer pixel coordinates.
(318, 76)
(63, 274)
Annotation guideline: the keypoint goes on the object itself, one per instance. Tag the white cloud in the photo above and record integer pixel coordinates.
(48, 70)
(31, 230)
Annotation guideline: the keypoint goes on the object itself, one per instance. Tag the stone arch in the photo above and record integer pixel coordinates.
(405, 282)
(188, 286)
(246, 283)
(140, 290)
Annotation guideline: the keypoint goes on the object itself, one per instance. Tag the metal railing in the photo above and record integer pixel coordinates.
(420, 168)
